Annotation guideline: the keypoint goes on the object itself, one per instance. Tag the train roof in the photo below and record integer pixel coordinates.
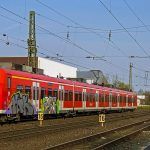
(59, 80)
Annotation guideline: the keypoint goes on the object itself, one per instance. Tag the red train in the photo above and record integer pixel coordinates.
(25, 94)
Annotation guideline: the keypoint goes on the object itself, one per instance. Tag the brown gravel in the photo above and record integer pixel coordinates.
(140, 142)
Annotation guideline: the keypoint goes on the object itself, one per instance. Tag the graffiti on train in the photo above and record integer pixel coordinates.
(20, 103)
(48, 105)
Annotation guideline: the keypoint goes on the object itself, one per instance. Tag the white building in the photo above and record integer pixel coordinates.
(54, 69)
(140, 99)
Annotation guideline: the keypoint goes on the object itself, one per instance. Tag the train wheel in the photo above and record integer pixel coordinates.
(3, 119)
(18, 118)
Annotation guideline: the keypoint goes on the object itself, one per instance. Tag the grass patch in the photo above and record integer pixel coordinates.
(144, 107)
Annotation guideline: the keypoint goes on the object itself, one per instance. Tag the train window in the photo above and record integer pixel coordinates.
(87, 96)
(50, 93)
(116, 97)
(113, 98)
(28, 90)
(43, 93)
(50, 84)
(70, 95)
(80, 96)
(66, 96)
(9, 82)
(90, 98)
(107, 98)
(129, 100)
(102, 97)
(124, 100)
(93, 97)
(55, 94)
(120, 99)
(20, 88)
(76, 96)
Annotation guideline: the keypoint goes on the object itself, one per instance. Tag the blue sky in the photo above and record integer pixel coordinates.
(90, 14)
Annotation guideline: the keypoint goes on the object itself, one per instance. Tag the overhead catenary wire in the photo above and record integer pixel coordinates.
(98, 30)
(132, 37)
(133, 12)
(51, 33)
(76, 23)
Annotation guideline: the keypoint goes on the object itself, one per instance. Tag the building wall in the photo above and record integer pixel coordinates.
(15, 60)
(53, 68)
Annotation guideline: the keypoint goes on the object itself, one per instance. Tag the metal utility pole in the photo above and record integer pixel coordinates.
(32, 50)
(146, 78)
(130, 77)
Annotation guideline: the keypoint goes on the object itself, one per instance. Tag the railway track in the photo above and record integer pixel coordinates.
(106, 139)
(147, 148)
(58, 127)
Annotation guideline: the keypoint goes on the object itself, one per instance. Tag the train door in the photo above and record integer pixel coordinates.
(118, 100)
(126, 100)
(132, 101)
(9, 92)
(35, 95)
(97, 99)
(110, 100)
(84, 98)
(61, 96)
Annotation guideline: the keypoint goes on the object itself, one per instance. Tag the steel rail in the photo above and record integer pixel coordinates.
(91, 137)
(147, 147)
(113, 142)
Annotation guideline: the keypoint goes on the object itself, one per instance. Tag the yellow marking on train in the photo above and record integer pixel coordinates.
(23, 78)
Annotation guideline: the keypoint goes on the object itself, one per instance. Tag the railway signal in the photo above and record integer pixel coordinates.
(102, 119)
(40, 118)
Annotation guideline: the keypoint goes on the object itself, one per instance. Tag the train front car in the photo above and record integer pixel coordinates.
(4, 94)
(15, 95)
